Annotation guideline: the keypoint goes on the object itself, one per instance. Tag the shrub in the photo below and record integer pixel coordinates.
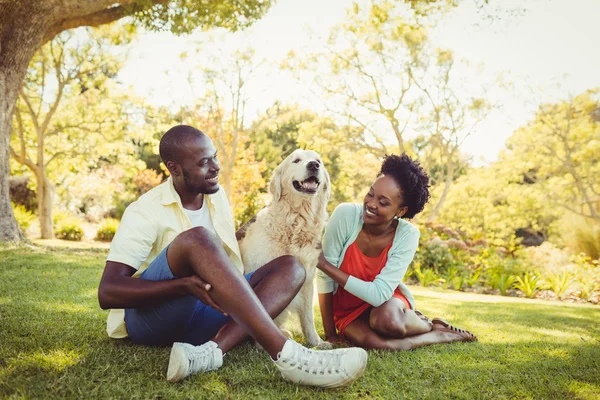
(503, 282)
(529, 284)
(21, 194)
(435, 255)
(146, 180)
(559, 283)
(107, 230)
(68, 229)
(24, 217)
(583, 236)
(427, 277)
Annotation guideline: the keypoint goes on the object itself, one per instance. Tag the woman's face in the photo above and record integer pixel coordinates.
(383, 201)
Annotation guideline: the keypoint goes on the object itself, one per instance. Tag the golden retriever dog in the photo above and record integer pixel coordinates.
(292, 224)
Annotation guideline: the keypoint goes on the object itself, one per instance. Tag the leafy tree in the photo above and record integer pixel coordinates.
(25, 26)
(64, 116)
(448, 117)
(494, 202)
(220, 113)
(285, 128)
(559, 151)
(380, 73)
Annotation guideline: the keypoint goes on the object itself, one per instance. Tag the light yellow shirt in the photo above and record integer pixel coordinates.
(151, 223)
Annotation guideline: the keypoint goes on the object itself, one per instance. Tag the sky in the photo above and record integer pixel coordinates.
(548, 53)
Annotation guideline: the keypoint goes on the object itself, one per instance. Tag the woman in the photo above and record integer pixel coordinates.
(366, 251)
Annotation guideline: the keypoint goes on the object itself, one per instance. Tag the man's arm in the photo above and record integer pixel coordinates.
(118, 289)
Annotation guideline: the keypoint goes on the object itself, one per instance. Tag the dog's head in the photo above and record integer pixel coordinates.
(302, 173)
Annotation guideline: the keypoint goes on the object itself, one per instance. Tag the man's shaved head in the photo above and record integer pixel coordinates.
(173, 142)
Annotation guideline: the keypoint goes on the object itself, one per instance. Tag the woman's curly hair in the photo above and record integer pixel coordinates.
(412, 180)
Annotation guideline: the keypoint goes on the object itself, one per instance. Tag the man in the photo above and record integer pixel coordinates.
(174, 266)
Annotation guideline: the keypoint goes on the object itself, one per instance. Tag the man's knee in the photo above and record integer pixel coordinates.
(198, 235)
(294, 270)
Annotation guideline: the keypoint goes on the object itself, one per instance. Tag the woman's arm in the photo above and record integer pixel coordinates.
(331, 271)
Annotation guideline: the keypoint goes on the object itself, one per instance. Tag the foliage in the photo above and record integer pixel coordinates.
(68, 229)
(284, 128)
(503, 282)
(559, 151)
(23, 216)
(145, 180)
(95, 195)
(582, 235)
(435, 256)
(71, 117)
(427, 277)
(21, 194)
(559, 283)
(183, 16)
(106, 231)
(529, 284)
(492, 203)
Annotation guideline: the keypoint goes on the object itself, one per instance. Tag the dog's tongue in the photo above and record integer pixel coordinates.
(310, 185)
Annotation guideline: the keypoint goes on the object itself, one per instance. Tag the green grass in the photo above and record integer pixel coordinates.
(53, 345)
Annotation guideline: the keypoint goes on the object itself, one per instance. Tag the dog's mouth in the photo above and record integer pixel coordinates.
(309, 185)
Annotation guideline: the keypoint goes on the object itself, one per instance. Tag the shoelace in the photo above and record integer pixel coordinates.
(317, 362)
(201, 359)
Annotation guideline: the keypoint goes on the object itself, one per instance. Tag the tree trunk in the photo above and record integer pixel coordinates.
(447, 183)
(9, 229)
(44, 197)
(17, 47)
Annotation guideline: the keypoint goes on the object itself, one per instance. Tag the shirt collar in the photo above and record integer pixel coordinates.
(170, 195)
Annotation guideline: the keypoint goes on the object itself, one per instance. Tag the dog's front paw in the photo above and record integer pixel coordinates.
(324, 345)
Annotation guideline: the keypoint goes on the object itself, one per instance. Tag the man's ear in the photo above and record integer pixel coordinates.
(174, 168)
(275, 184)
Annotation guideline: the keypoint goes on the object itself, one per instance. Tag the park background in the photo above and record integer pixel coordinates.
(498, 100)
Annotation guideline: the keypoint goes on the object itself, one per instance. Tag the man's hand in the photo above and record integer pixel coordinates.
(201, 290)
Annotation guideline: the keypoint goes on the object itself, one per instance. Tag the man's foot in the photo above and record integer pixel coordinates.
(462, 335)
(323, 368)
(187, 359)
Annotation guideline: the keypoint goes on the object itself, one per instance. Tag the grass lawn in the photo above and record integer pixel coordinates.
(53, 345)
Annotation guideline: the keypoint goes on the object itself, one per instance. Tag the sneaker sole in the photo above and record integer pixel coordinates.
(175, 373)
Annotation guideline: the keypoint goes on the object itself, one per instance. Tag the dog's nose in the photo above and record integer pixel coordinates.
(313, 166)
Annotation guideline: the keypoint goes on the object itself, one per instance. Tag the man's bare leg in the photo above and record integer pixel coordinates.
(275, 284)
(199, 252)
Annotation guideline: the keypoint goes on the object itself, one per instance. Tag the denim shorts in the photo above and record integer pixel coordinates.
(183, 319)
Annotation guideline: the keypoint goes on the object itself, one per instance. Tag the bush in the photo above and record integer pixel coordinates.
(21, 194)
(68, 229)
(23, 216)
(583, 236)
(146, 180)
(107, 230)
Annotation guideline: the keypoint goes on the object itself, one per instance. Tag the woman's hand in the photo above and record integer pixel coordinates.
(201, 290)
(322, 261)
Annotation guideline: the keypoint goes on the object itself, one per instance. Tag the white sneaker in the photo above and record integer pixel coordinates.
(323, 368)
(186, 359)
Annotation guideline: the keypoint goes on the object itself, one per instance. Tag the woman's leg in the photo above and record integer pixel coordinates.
(360, 333)
(395, 320)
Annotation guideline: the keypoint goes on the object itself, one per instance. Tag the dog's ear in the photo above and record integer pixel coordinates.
(275, 184)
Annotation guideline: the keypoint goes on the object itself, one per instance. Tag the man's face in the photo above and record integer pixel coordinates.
(200, 167)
